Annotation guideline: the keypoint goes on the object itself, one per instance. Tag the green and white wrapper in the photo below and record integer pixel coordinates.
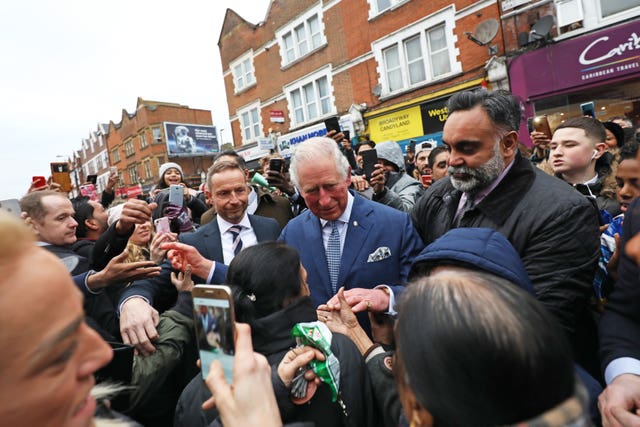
(316, 334)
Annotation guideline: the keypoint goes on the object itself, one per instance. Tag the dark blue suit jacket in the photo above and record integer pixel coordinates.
(370, 227)
(159, 290)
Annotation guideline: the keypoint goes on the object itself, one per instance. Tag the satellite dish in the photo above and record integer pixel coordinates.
(486, 30)
(377, 90)
(541, 29)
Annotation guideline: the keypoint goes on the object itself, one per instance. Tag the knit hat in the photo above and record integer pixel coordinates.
(165, 166)
(616, 130)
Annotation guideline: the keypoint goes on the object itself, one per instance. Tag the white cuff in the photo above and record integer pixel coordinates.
(392, 301)
(619, 366)
(211, 272)
(86, 283)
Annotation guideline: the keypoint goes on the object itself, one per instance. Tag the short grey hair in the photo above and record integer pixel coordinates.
(313, 149)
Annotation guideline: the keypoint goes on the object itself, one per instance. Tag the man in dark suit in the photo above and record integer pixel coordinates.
(620, 331)
(217, 241)
(345, 240)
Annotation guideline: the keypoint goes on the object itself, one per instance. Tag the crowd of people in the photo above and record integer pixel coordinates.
(466, 284)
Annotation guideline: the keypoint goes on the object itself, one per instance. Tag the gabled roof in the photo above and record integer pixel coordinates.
(232, 20)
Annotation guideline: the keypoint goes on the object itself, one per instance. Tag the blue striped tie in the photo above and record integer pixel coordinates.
(237, 241)
(333, 255)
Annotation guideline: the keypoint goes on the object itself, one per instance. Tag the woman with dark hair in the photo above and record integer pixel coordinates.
(271, 294)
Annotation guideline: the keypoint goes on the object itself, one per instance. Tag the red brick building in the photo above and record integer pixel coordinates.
(137, 145)
(386, 67)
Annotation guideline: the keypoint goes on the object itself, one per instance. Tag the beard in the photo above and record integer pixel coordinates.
(478, 178)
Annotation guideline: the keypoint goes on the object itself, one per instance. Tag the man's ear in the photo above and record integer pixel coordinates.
(600, 147)
(91, 224)
(509, 143)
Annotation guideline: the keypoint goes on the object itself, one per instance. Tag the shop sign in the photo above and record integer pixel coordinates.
(286, 142)
(252, 153)
(397, 126)
(600, 56)
(434, 114)
(265, 143)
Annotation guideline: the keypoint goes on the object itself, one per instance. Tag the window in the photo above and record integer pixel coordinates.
(302, 36)
(376, 7)
(250, 125)
(143, 140)
(128, 148)
(243, 74)
(310, 98)
(115, 156)
(147, 169)
(157, 135)
(609, 7)
(133, 174)
(418, 55)
(99, 164)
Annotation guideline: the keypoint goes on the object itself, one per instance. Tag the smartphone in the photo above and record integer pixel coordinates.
(412, 146)
(113, 170)
(89, 190)
(92, 179)
(332, 124)
(162, 225)
(588, 109)
(541, 124)
(347, 135)
(530, 126)
(11, 206)
(60, 175)
(427, 180)
(176, 195)
(369, 161)
(40, 181)
(214, 319)
(276, 165)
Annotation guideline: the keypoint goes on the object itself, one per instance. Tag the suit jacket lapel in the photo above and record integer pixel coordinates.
(357, 231)
(260, 232)
(213, 242)
(313, 238)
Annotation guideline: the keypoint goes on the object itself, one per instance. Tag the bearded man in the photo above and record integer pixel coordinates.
(553, 229)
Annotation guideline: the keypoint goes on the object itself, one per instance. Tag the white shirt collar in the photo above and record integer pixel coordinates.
(344, 218)
(224, 225)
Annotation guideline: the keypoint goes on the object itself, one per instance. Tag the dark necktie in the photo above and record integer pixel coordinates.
(237, 241)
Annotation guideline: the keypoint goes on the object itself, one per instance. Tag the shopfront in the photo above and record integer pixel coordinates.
(420, 120)
(601, 67)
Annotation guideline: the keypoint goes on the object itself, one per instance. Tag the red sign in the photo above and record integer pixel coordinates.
(276, 116)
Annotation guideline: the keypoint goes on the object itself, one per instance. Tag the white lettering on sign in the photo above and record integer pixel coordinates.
(632, 43)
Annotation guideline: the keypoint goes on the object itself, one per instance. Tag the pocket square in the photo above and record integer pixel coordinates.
(379, 254)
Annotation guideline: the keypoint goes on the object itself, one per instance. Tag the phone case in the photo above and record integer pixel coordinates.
(162, 225)
(369, 160)
(176, 195)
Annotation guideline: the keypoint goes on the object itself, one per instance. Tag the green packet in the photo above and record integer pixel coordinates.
(316, 334)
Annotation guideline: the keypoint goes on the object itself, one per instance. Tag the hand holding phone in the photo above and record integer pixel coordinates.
(332, 123)
(38, 181)
(176, 195)
(214, 320)
(588, 109)
(541, 124)
(162, 225)
(369, 161)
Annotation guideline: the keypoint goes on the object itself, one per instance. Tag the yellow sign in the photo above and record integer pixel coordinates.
(398, 126)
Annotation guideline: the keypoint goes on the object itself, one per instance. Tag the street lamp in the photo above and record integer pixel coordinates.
(221, 141)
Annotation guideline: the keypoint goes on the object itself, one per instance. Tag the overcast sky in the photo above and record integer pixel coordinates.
(67, 65)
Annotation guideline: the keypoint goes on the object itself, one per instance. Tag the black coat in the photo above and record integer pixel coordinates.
(553, 228)
(271, 336)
